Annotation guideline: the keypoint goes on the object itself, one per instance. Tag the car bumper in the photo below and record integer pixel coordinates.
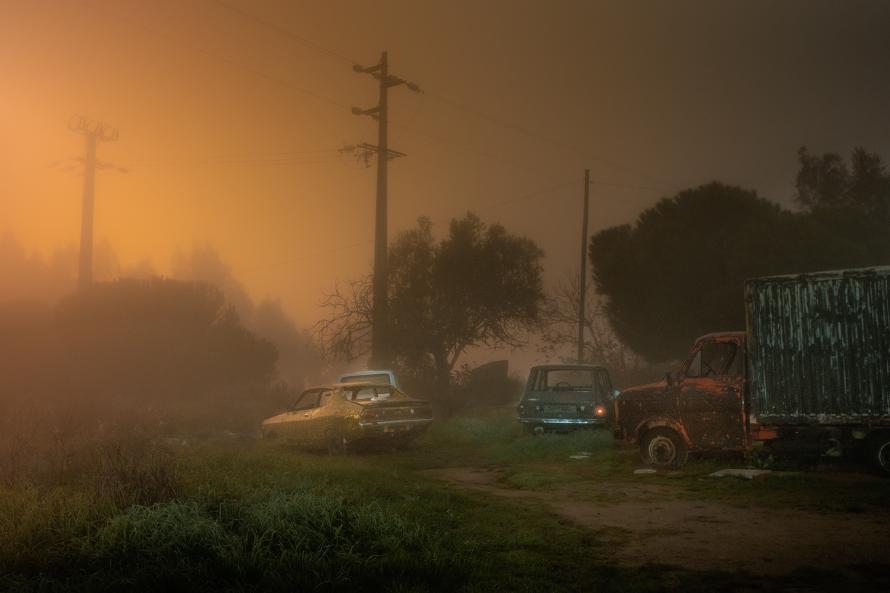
(565, 421)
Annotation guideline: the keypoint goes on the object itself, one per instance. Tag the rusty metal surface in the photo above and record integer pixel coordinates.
(819, 347)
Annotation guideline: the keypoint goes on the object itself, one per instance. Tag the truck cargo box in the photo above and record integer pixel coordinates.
(819, 347)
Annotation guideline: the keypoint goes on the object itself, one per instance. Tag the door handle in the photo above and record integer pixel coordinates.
(306, 415)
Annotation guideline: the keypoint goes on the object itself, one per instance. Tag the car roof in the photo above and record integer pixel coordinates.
(721, 335)
(367, 373)
(350, 384)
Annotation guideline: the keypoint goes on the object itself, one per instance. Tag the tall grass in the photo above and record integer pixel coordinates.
(262, 519)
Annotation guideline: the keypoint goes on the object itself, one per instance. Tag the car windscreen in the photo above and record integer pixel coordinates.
(371, 393)
(379, 378)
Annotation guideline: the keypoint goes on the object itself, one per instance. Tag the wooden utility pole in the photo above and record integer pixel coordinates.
(94, 132)
(380, 351)
(582, 276)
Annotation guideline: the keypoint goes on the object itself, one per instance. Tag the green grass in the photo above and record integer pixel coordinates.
(261, 517)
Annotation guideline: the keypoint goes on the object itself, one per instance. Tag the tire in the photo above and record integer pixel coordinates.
(337, 444)
(663, 448)
(879, 452)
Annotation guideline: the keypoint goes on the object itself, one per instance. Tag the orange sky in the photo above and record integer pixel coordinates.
(229, 129)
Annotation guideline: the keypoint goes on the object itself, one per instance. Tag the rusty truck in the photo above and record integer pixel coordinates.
(811, 374)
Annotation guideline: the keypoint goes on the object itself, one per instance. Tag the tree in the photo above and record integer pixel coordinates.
(559, 332)
(826, 183)
(479, 286)
(679, 271)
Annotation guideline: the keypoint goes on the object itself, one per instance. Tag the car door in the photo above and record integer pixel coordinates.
(299, 425)
(710, 395)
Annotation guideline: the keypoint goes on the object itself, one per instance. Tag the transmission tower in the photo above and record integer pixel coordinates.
(94, 132)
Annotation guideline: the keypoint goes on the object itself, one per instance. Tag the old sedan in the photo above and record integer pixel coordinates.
(341, 416)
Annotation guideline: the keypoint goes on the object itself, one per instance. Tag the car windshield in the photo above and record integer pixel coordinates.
(370, 393)
(378, 378)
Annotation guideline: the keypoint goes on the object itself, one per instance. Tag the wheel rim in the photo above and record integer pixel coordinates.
(662, 450)
(884, 456)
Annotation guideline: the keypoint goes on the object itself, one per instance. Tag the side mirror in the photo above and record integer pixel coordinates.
(616, 393)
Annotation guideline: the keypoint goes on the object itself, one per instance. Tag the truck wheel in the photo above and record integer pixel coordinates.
(337, 444)
(879, 451)
(663, 448)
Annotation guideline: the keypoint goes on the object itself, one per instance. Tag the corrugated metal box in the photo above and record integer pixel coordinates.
(819, 347)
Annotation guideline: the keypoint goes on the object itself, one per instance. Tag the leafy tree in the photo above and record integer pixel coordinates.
(479, 286)
(826, 183)
(679, 271)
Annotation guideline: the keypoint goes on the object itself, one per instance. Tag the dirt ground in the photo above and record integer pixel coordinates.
(646, 524)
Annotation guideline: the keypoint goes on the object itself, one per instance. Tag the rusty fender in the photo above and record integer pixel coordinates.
(657, 422)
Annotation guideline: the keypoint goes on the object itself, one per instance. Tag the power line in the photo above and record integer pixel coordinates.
(225, 59)
(283, 31)
(445, 100)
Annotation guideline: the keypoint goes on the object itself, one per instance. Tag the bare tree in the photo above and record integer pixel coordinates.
(346, 334)
(559, 330)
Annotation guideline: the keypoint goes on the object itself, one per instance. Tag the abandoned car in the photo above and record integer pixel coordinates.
(343, 416)
(561, 397)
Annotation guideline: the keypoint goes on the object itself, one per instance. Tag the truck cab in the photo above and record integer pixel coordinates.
(702, 408)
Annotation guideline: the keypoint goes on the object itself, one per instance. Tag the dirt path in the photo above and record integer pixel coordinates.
(702, 535)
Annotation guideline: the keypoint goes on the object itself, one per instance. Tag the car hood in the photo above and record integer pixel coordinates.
(277, 419)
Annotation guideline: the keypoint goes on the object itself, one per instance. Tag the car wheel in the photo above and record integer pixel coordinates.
(337, 444)
(879, 452)
(663, 448)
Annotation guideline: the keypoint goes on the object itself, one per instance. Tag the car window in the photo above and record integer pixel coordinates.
(603, 382)
(380, 378)
(566, 380)
(308, 400)
(383, 391)
(325, 397)
(363, 394)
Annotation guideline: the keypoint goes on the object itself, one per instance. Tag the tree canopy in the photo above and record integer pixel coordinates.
(480, 285)
(678, 272)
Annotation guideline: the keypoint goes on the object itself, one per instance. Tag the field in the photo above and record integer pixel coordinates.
(474, 506)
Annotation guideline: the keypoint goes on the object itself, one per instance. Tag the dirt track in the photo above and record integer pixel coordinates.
(649, 526)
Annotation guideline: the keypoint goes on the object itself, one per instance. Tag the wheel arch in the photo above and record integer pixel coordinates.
(661, 422)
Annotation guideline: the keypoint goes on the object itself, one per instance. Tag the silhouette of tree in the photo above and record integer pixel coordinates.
(827, 183)
(479, 286)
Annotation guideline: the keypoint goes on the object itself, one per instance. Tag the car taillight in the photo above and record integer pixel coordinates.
(599, 411)
(369, 414)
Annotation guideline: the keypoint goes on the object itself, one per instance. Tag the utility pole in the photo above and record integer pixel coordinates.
(380, 354)
(94, 132)
(582, 277)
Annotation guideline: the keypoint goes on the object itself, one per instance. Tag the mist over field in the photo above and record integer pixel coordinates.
(607, 284)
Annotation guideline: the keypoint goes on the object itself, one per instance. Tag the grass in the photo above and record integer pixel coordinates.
(230, 516)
